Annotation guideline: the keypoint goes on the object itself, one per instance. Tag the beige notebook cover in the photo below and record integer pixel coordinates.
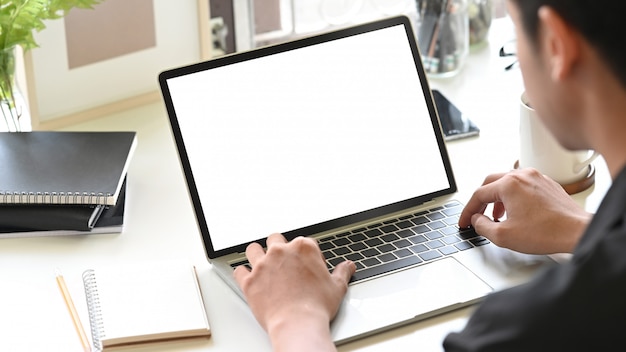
(144, 302)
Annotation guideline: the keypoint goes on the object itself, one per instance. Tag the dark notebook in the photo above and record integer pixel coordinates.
(49, 216)
(50, 167)
(111, 220)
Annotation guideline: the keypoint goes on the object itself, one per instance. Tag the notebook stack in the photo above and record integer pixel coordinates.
(63, 183)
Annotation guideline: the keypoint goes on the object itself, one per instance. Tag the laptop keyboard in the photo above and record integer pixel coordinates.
(398, 243)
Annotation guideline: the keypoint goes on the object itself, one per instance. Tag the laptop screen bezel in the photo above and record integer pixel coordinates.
(283, 47)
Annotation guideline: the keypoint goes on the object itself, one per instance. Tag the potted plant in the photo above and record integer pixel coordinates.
(19, 19)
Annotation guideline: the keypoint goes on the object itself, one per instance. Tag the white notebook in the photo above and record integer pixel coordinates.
(145, 302)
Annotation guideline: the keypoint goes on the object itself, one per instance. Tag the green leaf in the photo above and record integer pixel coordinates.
(20, 19)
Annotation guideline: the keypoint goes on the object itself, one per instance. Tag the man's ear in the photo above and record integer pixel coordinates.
(559, 43)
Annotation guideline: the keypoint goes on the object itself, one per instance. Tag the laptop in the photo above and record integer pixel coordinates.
(334, 136)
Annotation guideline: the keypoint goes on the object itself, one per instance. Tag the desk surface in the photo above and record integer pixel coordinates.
(160, 225)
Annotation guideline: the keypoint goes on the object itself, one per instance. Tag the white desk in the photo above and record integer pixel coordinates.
(160, 225)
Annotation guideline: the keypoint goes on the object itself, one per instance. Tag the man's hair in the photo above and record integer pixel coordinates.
(601, 22)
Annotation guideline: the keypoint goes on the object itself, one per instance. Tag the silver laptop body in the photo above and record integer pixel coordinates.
(334, 136)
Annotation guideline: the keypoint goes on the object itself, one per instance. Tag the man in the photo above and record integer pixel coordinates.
(573, 59)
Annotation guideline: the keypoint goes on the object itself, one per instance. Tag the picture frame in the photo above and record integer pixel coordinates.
(59, 95)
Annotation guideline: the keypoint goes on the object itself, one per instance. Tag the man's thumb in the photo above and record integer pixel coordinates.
(344, 271)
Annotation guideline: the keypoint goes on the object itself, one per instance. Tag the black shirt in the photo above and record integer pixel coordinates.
(576, 306)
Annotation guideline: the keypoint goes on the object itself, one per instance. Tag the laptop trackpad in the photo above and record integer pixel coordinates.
(407, 296)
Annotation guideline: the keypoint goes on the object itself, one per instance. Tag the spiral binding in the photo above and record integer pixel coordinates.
(94, 308)
(8, 197)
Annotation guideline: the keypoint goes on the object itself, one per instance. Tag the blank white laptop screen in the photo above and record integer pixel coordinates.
(300, 137)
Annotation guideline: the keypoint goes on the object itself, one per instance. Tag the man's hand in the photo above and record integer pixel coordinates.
(541, 218)
(291, 292)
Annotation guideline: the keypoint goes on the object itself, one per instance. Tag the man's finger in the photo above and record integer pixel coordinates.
(240, 274)
(483, 225)
(344, 271)
(254, 252)
(482, 197)
(275, 238)
(493, 177)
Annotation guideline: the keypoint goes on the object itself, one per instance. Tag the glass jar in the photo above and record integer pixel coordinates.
(442, 32)
(480, 14)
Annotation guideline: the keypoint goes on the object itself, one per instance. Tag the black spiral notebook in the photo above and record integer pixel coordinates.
(51, 167)
(62, 220)
(24, 217)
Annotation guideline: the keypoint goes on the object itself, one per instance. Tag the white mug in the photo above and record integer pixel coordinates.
(540, 150)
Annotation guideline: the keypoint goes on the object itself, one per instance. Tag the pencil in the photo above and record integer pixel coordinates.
(72, 309)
